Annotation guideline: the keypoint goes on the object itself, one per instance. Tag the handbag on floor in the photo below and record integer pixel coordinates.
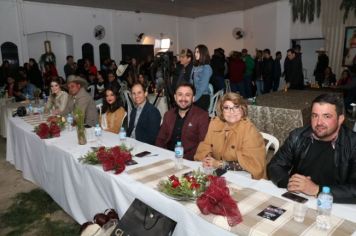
(141, 219)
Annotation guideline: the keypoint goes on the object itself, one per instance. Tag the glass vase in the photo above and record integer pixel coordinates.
(81, 136)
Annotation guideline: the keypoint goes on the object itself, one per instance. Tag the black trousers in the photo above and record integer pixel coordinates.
(203, 102)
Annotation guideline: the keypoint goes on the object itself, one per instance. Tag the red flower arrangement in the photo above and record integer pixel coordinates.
(44, 131)
(114, 158)
(217, 200)
(187, 186)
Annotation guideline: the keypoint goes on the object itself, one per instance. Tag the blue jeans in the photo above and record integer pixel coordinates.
(259, 86)
(238, 87)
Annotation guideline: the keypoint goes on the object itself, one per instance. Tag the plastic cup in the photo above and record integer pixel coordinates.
(299, 211)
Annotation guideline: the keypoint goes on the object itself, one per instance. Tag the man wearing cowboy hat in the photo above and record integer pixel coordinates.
(321, 65)
(80, 98)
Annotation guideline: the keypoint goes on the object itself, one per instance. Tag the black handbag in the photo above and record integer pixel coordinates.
(21, 111)
(142, 220)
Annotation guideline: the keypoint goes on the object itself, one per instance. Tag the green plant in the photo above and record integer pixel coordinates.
(307, 9)
(347, 6)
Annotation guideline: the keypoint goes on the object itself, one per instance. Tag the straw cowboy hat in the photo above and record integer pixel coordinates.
(321, 50)
(78, 80)
(121, 69)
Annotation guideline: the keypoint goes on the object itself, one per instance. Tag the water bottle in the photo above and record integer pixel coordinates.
(97, 131)
(179, 153)
(325, 203)
(122, 134)
(44, 96)
(69, 122)
(30, 109)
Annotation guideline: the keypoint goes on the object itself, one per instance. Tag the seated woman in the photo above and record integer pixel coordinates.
(345, 78)
(112, 112)
(57, 99)
(329, 77)
(232, 141)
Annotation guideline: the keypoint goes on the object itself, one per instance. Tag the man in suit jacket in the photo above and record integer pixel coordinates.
(145, 119)
(80, 98)
(186, 123)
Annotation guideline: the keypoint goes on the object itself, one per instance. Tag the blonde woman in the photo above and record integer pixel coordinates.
(232, 141)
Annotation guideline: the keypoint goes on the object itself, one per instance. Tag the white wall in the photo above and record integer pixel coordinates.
(60, 43)
(216, 31)
(9, 26)
(266, 26)
(26, 18)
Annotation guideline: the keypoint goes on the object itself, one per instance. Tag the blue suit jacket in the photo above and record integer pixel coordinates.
(148, 124)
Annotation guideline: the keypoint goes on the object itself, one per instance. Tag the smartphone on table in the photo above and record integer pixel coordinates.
(142, 154)
(294, 197)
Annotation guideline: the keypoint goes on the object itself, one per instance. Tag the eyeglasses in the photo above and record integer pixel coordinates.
(231, 109)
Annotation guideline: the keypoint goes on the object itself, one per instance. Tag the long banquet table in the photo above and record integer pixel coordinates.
(84, 190)
(280, 112)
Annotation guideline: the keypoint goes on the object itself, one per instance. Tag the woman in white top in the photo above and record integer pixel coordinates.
(58, 99)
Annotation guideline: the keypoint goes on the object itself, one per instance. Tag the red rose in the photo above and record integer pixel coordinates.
(54, 130)
(108, 165)
(43, 131)
(173, 177)
(175, 183)
(119, 168)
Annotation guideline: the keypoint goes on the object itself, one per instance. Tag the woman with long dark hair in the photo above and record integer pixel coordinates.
(57, 100)
(200, 77)
(113, 112)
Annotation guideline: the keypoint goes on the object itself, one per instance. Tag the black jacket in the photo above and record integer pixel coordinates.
(148, 124)
(293, 71)
(289, 157)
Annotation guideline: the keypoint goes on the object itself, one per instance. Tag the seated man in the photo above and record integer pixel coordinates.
(144, 118)
(320, 154)
(80, 98)
(186, 123)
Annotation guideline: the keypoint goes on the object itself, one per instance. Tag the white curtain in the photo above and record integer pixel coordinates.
(333, 29)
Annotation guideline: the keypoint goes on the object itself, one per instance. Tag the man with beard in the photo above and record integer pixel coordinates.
(186, 123)
(320, 154)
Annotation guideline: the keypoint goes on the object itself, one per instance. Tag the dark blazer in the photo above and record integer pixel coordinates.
(148, 124)
(193, 132)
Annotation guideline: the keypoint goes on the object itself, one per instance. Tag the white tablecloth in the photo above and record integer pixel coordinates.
(84, 190)
(6, 111)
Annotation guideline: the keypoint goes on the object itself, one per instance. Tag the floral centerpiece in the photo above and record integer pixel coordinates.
(59, 120)
(186, 187)
(114, 158)
(45, 131)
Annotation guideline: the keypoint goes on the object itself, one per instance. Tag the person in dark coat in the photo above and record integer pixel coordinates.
(293, 71)
(321, 65)
(217, 63)
(145, 118)
(267, 71)
(277, 71)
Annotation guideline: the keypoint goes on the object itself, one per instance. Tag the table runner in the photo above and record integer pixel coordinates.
(250, 203)
(35, 120)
